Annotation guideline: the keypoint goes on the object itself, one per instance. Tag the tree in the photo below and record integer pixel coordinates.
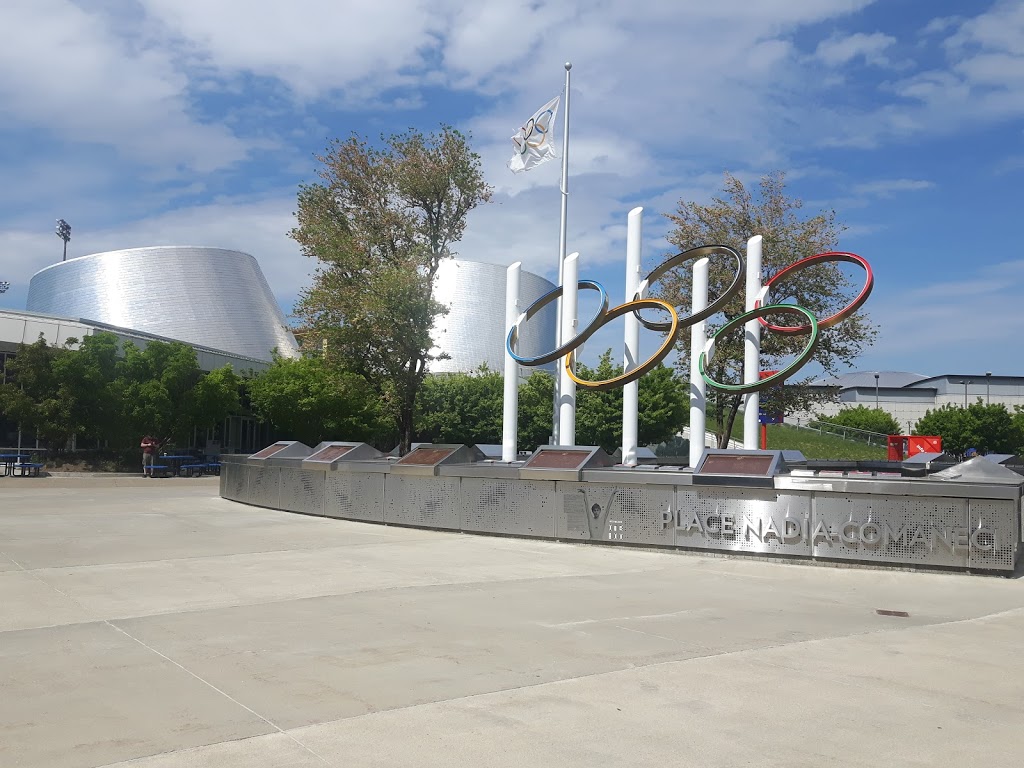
(379, 223)
(87, 378)
(787, 236)
(36, 398)
(663, 406)
(461, 408)
(309, 401)
(868, 419)
(986, 428)
(157, 383)
(214, 397)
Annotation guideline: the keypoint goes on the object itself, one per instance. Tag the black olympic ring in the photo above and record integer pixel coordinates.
(813, 327)
(694, 254)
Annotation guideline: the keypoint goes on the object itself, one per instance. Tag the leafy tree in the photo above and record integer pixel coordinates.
(988, 428)
(461, 408)
(379, 222)
(310, 401)
(215, 396)
(663, 406)
(787, 236)
(869, 419)
(35, 397)
(469, 408)
(536, 396)
(157, 384)
(87, 378)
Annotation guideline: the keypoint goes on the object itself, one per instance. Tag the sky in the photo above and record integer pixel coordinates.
(192, 122)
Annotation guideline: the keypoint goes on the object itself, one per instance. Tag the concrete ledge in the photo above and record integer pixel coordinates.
(90, 480)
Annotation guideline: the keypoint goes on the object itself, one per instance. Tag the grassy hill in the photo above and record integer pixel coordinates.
(784, 437)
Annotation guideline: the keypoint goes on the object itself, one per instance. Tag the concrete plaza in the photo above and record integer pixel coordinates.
(153, 624)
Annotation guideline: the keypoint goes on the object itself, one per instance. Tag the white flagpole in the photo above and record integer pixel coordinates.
(567, 405)
(556, 431)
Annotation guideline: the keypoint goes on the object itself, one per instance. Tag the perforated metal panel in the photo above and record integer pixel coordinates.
(630, 513)
(994, 535)
(518, 507)
(265, 487)
(355, 496)
(896, 529)
(233, 481)
(743, 520)
(431, 502)
(302, 490)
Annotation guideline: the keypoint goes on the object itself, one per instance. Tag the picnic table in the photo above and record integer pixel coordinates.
(174, 462)
(20, 461)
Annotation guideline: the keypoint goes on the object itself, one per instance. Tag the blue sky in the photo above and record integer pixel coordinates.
(192, 122)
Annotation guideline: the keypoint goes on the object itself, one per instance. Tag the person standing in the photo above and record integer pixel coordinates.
(150, 445)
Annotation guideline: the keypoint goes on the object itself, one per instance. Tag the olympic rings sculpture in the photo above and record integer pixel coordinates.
(810, 326)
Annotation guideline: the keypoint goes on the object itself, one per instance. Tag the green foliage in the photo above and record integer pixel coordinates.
(536, 410)
(663, 406)
(469, 408)
(868, 419)
(114, 396)
(788, 236)
(987, 428)
(38, 397)
(461, 408)
(379, 223)
(311, 402)
(156, 385)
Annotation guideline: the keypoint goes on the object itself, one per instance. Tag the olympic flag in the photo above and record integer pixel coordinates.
(533, 141)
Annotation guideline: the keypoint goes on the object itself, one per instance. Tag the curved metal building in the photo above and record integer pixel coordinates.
(208, 296)
(473, 331)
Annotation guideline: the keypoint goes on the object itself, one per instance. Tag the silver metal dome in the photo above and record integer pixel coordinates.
(209, 296)
(473, 331)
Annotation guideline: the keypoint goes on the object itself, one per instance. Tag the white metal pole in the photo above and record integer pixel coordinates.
(567, 402)
(698, 387)
(631, 342)
(752, 346)
(510, 419)
(562, 237)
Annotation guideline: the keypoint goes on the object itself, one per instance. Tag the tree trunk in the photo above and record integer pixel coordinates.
(730, 421)
(406, 417)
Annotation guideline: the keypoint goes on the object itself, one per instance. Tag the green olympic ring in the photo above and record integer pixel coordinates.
(798, 362)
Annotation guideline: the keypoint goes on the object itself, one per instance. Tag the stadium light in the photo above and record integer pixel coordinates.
(64, 233)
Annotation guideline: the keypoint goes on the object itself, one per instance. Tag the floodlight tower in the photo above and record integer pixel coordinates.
(4, 285)
(64, 233)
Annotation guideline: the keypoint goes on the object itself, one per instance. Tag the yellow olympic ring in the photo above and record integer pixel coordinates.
(648, 365)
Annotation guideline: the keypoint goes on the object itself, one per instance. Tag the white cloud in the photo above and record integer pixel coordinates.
(67, 72)
(889, 187)
(872, 48)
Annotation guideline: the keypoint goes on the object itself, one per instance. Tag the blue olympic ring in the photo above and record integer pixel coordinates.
(537, 306)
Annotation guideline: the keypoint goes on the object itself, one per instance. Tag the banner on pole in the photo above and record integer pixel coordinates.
(533, 142)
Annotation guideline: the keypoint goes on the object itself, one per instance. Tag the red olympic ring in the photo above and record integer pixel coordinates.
(820, 258)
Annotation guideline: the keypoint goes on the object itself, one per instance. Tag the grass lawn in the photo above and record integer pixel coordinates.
(784, 437)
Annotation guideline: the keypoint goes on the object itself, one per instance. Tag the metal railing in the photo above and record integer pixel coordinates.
(846, 433)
